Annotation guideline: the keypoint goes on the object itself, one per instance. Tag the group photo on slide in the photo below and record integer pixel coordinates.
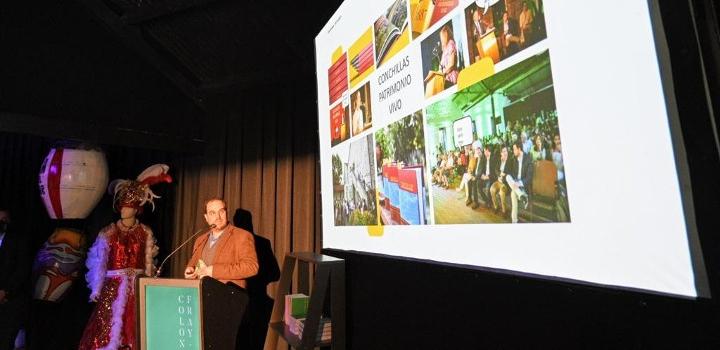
(511, 169)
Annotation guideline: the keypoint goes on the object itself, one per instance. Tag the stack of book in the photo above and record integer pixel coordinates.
(296, 307)
(324, 331)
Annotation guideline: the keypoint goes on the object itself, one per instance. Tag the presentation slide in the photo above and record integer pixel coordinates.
(528, 136)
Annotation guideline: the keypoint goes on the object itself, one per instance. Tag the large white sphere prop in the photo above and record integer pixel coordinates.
(72, 182)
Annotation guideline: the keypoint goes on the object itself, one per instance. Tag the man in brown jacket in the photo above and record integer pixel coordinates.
(226, 253)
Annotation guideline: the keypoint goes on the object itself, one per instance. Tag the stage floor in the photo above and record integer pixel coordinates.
(450, 208)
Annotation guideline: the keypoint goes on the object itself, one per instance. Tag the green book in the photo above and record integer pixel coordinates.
(296, 305)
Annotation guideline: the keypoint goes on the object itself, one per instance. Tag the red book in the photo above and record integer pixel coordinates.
(392, 173)
(442, 8)
(337, 78)
(408, 180)
(336, 119)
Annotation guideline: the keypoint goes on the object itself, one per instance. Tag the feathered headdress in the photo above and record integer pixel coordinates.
(136, 193)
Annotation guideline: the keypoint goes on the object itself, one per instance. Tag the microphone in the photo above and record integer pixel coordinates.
(159, 269)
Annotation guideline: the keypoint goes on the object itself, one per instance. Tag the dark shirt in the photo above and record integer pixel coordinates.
(14, 265)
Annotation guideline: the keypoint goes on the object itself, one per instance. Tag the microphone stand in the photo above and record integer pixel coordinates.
(159, 269)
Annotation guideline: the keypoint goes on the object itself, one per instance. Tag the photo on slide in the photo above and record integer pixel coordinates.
(353, 175)
(443, 56)
(339, 123)
(337, 76)
(362, 61)
(361, 109)
(511, 170)
(503, 28)
(425, 13)
(400, 171)
(391, 32)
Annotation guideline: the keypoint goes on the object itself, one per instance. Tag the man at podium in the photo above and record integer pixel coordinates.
(226, 253)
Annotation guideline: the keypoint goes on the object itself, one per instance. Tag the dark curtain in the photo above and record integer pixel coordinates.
(261, 157)
(20, 160)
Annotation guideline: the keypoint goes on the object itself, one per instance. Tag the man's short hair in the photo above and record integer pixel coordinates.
(212, 200)
(519, 145)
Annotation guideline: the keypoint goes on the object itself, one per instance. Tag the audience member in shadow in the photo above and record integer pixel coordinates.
(257, 315)
(14, 281)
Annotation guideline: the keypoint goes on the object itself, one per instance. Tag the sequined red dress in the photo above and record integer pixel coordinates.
(116, 258)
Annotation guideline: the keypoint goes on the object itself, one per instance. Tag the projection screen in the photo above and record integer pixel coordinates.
(528, 136)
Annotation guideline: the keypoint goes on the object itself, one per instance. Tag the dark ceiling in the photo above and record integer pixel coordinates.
(145, 72)
(150, 73)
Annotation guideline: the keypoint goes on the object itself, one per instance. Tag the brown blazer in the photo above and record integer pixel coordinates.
(235, 258)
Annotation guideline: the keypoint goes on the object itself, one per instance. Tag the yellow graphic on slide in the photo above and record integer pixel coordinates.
(476, 72)
(376, 230)
(337, 54)
(361, 59)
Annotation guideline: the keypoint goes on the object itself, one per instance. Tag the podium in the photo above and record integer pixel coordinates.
(188, 314)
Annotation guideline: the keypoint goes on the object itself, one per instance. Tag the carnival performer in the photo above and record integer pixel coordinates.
(122, 251)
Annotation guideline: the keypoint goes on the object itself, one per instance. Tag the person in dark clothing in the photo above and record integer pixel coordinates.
(483, 177)
(518, 178)
(14, 281)
(511, 35)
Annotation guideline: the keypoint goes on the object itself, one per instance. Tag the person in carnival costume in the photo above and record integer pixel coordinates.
(122, 251)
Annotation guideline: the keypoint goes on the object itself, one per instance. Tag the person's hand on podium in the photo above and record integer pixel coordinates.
(203, 271)
(190, 273)
(199, 272)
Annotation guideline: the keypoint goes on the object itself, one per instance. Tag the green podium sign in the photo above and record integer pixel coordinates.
(170, 314)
